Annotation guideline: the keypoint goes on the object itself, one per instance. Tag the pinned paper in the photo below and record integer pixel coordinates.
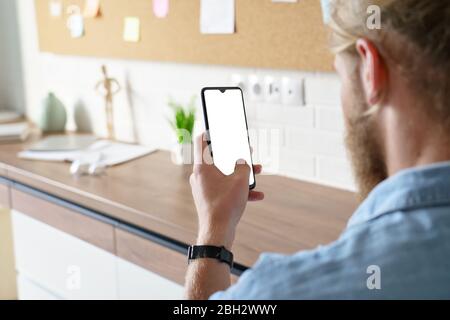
(132, 29)
(326, 10)
(161, 8)
(217, 16)
(55, 8)
(92, 8)
(75, 22)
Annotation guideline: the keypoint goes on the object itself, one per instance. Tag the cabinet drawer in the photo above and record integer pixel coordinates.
(154, 257)
(136, 283)
(4, 196)
(151, 256)
(92, 231)
(63, 264)
(28, 290)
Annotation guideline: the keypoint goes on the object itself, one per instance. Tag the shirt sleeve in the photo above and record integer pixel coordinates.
(321, 273)
(247, 285)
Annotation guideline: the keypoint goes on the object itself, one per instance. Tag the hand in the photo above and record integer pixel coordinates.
(220, 199)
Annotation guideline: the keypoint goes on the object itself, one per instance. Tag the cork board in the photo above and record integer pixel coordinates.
(269, 35)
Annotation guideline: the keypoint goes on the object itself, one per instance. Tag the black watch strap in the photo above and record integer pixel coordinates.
(211, 252)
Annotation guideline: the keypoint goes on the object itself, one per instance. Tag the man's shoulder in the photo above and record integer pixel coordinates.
(391, 256)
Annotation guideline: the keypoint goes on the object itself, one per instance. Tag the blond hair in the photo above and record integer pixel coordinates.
(414, 34)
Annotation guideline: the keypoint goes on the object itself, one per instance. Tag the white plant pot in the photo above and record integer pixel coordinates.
(183, 154)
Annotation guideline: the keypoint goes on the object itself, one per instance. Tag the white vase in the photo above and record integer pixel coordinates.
(183, 154)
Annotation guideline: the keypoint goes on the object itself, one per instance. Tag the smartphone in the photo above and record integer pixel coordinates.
(226, 123)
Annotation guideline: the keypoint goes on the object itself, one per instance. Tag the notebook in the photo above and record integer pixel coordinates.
(9, 117)
(14, 132)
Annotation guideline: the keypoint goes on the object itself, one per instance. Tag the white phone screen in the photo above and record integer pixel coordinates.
(228, 133)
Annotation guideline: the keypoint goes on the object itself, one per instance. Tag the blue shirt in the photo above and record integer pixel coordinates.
(396, 246)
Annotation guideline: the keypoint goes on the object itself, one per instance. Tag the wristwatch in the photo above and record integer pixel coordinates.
(211, 252)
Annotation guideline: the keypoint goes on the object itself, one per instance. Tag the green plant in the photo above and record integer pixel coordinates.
(184, 120)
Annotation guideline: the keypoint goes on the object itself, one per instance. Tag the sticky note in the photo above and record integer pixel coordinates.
(217, 16)
(132, 29)
(55, 8)
(92, 8)
(161, 8)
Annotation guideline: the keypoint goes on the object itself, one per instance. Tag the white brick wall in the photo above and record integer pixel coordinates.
(322, 89)
(329, 118)
(316, 142)
(335, 171)
(305, 142)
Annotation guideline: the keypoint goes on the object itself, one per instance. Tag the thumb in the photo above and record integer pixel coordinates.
(242, 168)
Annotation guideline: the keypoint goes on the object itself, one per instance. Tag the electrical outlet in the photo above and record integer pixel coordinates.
(238, 80)
(272, 89)
(255, 90)
(293, 91)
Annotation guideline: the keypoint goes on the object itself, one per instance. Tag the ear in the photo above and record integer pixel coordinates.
(373, 71)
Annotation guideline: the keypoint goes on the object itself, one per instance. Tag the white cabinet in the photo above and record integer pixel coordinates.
(28, 290)
(136, 283)
(52, 264)
(7, 274)
(62, 264)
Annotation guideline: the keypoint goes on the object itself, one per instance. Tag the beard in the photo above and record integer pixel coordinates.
(363, 144)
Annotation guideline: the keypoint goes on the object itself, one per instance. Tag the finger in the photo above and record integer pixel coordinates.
(256, 196)
(242, 168)
(257, 169)
(199, 147)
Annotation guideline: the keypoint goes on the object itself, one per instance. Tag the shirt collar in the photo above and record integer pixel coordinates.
(409, 189)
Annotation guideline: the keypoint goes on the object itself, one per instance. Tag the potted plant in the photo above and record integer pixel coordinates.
(183, 124)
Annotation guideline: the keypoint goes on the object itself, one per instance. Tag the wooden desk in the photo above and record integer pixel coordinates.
(152, 196)
(2, 169)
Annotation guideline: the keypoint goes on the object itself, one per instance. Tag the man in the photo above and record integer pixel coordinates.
(396, 101)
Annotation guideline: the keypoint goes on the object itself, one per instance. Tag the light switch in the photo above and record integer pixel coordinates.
(293, 91)
(272, 89)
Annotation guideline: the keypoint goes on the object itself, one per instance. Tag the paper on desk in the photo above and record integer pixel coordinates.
(56, 156)
(115, 153)
(112, 153)
(217, 16)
